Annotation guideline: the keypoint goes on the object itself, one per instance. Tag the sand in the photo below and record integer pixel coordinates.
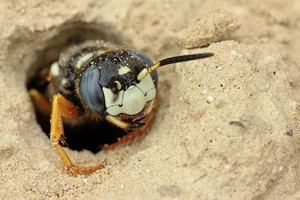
(228, 126)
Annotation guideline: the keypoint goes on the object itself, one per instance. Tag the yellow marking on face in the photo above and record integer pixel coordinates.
(123, 70)
(119, 86)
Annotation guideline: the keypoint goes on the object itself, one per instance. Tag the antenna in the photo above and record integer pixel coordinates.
(172, 60)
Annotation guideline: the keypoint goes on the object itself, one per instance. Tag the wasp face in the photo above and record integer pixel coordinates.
(109, 86)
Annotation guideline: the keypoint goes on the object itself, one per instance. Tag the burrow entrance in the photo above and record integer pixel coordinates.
(95, 134)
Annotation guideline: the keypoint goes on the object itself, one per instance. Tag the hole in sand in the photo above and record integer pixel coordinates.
(95, 134)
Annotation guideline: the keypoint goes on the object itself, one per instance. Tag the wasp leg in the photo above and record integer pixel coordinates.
(41, 104)
(142, 131)
(61, 107)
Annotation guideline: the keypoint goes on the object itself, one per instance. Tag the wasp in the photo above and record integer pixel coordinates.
(98, 81)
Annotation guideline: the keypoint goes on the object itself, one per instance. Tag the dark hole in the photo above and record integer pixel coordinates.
(93, 135)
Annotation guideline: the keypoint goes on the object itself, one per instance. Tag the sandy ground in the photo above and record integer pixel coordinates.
(228, 126)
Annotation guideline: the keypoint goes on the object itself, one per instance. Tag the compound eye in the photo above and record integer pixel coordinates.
(142, 57)
(91, 90)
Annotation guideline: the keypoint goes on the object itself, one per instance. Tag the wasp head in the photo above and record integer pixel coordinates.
(110, 87)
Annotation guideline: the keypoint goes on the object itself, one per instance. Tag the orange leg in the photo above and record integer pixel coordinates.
(41, 104)
(138, 132)
(61, 107)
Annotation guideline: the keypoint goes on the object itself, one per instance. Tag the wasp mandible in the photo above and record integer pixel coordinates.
(99, 81)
